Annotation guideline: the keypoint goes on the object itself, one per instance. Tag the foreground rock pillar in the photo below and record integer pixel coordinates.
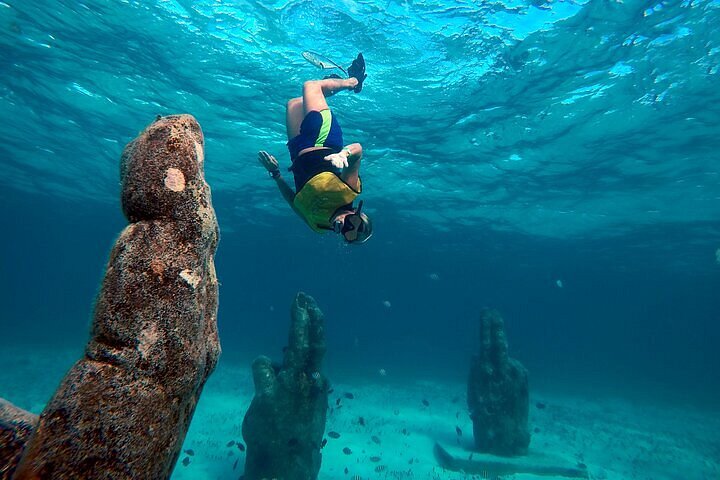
(284, 425)
(122, 411)
(498, 396)
(16, 426)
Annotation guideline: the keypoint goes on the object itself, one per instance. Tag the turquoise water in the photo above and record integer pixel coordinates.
(554, 160)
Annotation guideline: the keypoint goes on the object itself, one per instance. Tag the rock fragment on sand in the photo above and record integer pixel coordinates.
(16, 426)
(122, 411)
(489, 466)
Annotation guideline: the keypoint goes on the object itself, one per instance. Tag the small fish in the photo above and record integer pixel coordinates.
(387, 304)
(347, 451)
(425, 402)
(361, 421)
(382, 372)
(375, 439)
(375, 459)
(410, 461)
(346, 470)
(323, 443)
(190, 452)
(348, 395)
(434, 276)
(333, 435)
(356, 477)
(330, 391)
(293, 442)
(380, 468)
(337, 402)
(457, 415)
(458, 431)
(186, 461)
(230, 443)
(559, 283)
(455, 399)
(536, 430)
(540, 406)
(240, 446)
(396, 411)
(316, 376)
(404, 431)
(235, 464)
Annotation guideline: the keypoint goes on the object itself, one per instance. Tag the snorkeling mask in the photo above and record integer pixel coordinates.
(354, 227)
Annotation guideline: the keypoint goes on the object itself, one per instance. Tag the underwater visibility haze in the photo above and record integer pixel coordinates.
(554, 160)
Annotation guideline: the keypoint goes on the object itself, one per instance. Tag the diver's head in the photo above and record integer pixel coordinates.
(354, 226)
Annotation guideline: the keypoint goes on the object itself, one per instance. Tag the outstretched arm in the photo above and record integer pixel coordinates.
(271, 165)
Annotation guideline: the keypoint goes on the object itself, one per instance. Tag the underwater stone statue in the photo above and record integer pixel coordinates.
(16, 426)
(122, 411)
(284, 425)
(498, 396)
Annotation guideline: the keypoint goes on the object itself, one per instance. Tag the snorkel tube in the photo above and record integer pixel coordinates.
(363, 228)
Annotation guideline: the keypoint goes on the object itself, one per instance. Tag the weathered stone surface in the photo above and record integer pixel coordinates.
(498, 396)
(284, 425)
(16, 426)
(122, 411)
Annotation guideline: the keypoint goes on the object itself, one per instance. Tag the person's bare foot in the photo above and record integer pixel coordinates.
(351, 83)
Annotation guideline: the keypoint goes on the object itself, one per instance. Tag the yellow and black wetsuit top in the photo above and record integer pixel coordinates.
(322, 196)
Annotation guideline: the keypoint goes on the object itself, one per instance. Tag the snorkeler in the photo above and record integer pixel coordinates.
(327, 174)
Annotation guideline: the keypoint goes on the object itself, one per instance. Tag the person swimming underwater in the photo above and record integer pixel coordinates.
(326, 173)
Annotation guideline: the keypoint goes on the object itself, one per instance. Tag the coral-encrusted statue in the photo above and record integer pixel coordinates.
(284, 425)
(122, 411)
(498, 395)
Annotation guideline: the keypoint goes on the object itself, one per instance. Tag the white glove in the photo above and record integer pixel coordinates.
(338, 160)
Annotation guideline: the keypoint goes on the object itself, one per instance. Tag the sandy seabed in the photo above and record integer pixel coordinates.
(390, 426)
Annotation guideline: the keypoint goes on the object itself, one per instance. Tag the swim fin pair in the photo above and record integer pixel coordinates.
(357, 70)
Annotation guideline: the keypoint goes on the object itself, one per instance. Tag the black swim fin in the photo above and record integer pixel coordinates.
(357, 70)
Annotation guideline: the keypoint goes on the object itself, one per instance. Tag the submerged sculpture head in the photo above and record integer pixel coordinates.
(162, 175)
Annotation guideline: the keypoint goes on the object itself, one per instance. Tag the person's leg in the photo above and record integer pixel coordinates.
(316, 91)
(294, 115)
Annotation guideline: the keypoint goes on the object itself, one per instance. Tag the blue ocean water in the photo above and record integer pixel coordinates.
(555, 160)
